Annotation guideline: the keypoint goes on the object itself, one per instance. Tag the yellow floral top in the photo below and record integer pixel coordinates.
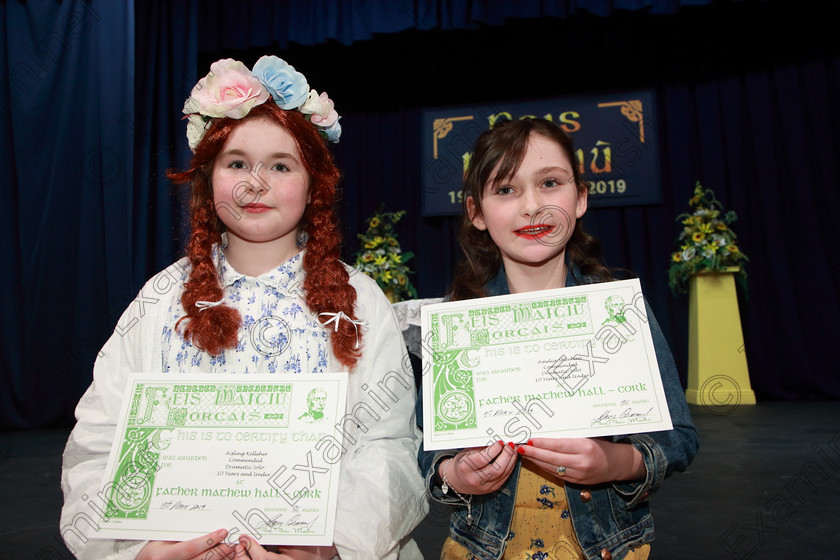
(541, 528)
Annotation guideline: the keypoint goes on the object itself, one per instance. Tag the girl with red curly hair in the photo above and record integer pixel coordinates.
(262, 290)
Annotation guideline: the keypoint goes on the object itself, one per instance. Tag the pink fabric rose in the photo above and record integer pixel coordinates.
(229, 90)
(322, 109)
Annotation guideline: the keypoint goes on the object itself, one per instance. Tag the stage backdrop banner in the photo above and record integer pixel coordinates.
(615, 135)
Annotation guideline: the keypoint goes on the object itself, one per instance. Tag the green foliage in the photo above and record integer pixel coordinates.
(706, 243)
(381, 258)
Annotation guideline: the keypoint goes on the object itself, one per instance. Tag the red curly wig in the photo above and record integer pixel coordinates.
(327, 285)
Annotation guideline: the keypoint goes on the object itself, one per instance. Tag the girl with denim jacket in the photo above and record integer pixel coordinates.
(574, 498)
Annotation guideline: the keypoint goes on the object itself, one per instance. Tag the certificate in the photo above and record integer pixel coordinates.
(255, 454)
(569, 362)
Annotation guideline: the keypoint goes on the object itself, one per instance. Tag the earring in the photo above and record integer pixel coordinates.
(302, 237)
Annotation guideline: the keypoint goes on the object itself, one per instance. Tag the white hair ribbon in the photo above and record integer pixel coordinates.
(337, 317)
(202, 305)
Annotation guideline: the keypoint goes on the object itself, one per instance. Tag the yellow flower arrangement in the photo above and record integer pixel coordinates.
(706, 242)
(382, 259)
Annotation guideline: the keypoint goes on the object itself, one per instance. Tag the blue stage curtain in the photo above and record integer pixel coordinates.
(259, 23)
(751, 117)
(67, 181)
(749, 110)
(765, 141)
(379, 159)
(166, 73)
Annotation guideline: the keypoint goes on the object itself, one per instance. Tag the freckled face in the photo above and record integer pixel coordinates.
(531, 215)
(260, 187)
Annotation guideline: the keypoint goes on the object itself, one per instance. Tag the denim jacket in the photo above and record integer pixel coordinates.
(608, 518)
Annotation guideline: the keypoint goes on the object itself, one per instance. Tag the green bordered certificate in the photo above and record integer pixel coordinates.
(255, 454)
(571, 362)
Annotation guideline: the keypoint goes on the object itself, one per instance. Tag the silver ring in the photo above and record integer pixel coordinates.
(561, 471)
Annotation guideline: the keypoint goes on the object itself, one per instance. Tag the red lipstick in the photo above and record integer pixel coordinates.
(534, 231)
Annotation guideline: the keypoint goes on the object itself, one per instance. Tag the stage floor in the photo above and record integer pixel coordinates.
(765, 484)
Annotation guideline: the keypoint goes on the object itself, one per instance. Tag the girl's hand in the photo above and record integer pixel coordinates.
(249, 548)
(587, 460)
(479, 470)
(195, 549)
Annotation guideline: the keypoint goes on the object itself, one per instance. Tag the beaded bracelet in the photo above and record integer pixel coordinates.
(445, 487)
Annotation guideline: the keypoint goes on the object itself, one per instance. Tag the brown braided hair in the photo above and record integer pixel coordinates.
(327, 284)
(504, 146)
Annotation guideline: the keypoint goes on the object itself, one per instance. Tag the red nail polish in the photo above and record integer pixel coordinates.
(520, 450)
(511, 444)
(530, 442)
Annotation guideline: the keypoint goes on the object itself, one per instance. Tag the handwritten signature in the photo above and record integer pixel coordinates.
(297, 522)
(626, 416)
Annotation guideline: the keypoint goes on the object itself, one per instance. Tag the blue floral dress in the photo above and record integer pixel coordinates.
(278, 335)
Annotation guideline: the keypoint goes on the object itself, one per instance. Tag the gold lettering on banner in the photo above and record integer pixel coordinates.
(633, 111)
(442, 127)
(603, 153)
(569, 124)
(491, 120)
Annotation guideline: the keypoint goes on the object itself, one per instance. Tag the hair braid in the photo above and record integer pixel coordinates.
(327, 282)
(212, 328)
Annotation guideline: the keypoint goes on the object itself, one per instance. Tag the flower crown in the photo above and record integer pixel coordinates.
(231, 90)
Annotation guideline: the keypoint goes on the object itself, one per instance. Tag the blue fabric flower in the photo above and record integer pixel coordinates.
(333, 132)
(287, 86)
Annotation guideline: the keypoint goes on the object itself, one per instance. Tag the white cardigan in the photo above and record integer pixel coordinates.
(381, 496)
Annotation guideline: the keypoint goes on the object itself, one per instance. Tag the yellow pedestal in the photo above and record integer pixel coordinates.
(718, 377)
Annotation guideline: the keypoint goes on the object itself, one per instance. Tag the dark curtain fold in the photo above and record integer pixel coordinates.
(258, 23)
(67, 180)
(379, 159)
(166, 72)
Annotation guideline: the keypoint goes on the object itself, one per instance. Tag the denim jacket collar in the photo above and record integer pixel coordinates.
(498, 285)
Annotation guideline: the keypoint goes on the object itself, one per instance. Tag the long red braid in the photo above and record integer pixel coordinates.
(326, 286)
